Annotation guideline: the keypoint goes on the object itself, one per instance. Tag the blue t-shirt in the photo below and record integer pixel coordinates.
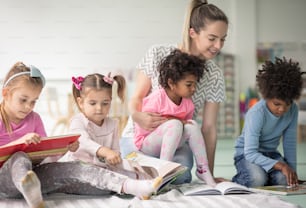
(263, 132)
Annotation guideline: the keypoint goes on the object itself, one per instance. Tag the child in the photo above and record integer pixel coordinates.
(271, 120)
(179, 74)
(99, 141)
(20, 124)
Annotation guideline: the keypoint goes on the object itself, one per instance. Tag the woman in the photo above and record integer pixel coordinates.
(204, 34)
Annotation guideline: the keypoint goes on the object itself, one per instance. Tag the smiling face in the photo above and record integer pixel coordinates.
(209, 41)
(95, 104)
(277, 107)
(20, 101)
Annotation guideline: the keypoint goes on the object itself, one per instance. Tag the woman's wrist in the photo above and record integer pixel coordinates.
(135, 116)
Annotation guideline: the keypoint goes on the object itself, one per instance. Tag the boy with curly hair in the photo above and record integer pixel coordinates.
(272, 120)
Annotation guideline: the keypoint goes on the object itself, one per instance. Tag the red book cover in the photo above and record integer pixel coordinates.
(49, 146)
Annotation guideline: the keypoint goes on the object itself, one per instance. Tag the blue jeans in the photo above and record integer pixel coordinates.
(183, 155)
(252, 175)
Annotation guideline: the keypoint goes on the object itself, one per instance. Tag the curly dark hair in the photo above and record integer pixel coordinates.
(281, 80)
(177, 65)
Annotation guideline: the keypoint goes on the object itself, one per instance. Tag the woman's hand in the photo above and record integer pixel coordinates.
(74, 146)
(110, 156)
(148, 121)
(31, 138)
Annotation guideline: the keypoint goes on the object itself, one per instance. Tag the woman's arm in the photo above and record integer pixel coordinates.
(147, 121)
(209, 131)
(142, 89)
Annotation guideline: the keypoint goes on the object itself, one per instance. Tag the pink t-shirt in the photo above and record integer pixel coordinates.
(31, 124)
(159, 102)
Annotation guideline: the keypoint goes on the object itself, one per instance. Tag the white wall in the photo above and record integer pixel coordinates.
(67, 38)
(74, 36)
(80, 37)
(100, 35)
(283, 22)
(266, 21)
(244, 46)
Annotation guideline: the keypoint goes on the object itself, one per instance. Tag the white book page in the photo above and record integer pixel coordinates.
(232, 187)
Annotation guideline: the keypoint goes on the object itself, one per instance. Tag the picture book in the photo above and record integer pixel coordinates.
(281, 189)
(152, 167)
(48, 146)
(223, 188)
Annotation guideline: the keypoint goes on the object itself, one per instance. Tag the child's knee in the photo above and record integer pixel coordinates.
(20, 157)
(192, 123)
(258, 179)
(249, 174)
(192, 127)
(174, 123)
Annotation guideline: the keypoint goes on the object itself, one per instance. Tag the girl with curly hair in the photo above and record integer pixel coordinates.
(272, 120)
(179, 73)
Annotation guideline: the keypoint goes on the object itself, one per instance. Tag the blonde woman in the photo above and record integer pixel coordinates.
(204, 34)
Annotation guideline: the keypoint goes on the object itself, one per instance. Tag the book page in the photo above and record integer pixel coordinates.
(156, 167)
(198, 188)
(163, 167)
(228, 187)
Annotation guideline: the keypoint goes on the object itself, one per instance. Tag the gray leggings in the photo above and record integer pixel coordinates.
(11, 174)
(67, 177)
(78, 178)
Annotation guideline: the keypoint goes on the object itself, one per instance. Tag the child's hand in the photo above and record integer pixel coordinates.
(31, 138)
(113, 158)
(110, 156)
(291, 176)
(74, 146)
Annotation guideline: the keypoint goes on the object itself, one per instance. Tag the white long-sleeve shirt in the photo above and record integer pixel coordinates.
(92, 138)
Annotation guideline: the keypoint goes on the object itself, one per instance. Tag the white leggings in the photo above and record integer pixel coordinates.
(165, 140)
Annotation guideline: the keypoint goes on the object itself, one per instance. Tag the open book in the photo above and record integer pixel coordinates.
(281, 189)
(48, 146)
(223, 188)
(153, 167)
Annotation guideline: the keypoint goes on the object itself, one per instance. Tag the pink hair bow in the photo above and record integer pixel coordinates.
(77, 81)
(108, 79)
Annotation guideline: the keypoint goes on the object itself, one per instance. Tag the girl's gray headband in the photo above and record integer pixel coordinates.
(34, 72)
